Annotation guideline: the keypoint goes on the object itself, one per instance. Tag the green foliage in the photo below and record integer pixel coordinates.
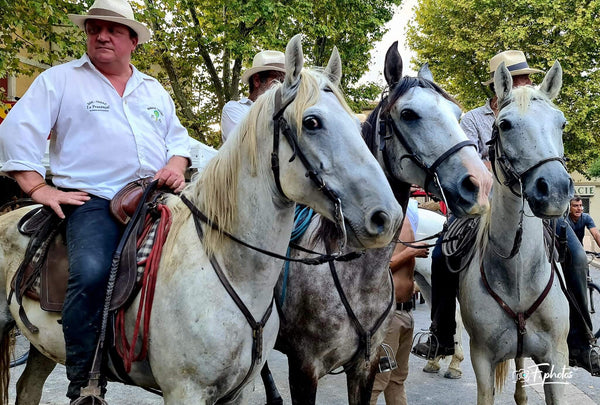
(458, 38)
(594, 170)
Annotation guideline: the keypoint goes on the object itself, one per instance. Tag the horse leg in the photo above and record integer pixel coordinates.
(273, 396)
(433, 365)
(553, 371)
(454, 371)
(359, 380)
(484, 374)
(303, 384)
(520, 393)
(31, 382)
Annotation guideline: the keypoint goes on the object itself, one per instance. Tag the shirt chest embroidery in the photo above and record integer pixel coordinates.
(96, 105)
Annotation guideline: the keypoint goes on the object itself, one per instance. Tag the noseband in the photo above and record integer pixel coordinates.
(281, 126)
(387, 126)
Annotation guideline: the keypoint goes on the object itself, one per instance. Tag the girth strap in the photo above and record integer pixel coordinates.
(363, 335)
(520, 318)
(257, 327)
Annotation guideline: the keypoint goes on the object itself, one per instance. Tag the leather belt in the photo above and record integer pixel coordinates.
(405, 306)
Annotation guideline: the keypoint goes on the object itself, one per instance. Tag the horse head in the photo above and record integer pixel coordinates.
(527, 143)
(417, 137)
(303, 139)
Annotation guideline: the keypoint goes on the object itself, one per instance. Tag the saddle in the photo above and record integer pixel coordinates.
(44, 272)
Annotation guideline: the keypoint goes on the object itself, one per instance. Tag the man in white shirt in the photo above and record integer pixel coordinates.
(110, 125)
(267, 66)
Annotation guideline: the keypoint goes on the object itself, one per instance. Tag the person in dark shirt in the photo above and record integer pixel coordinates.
(579, 220)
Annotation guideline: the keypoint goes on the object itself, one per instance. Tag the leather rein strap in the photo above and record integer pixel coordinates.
(520, 318)
(364, 336)
(257, 327)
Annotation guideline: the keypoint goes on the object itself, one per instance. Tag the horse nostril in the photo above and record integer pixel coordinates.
(380, 221)
(467, 186)
(542, 186)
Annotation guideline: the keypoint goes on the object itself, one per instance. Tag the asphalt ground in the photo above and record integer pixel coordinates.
(421, 387)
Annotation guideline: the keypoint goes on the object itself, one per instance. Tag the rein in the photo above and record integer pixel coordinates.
(314, 261)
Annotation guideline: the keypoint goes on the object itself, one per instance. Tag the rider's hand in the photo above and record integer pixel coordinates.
(172, 175)
(53, 197)
(420, 251)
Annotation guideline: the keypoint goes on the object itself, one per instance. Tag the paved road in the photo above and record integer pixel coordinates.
(422, 388)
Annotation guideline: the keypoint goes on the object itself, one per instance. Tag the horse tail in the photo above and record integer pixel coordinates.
(501, 374)
(6, 348)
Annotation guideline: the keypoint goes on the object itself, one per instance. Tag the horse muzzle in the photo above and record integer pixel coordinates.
(548, 190)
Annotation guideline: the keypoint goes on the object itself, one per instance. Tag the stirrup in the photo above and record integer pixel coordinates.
(425, 337)
(91, 394)
(594, 367)
(387, 362)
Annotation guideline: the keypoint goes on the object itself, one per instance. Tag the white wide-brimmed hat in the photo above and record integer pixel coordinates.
(118, 11)
(515, 62)
(263, 61)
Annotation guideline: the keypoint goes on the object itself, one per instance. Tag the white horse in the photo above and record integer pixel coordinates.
(511, 302)
(431, 223)
(318, 334)
(201, 346)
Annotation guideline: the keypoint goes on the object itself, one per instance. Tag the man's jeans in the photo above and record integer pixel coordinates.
(92, 237)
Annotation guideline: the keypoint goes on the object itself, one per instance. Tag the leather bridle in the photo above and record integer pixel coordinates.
(281, 126)
(387, 126)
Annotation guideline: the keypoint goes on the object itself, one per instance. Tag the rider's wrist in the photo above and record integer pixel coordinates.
(36, 188)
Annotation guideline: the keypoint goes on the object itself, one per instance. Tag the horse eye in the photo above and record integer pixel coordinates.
(505, 125)
(311, 123)
(409, 115)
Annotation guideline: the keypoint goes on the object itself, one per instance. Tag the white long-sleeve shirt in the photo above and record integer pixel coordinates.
(232, 114)
(100, 141)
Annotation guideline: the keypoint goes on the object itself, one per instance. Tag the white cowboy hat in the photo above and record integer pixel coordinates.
(263, 61)
(515, 61)
(118, 11)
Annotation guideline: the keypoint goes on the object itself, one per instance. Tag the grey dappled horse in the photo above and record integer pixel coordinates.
(511, 302)
(317, 333)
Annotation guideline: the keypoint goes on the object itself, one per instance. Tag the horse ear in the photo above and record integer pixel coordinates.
(334, 67)
(393, 66)
(502, 82)
(552, 81)
(294, 60)
(425, 72)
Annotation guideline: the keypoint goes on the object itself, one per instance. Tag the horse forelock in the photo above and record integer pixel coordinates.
(523, 95)
(409, 82)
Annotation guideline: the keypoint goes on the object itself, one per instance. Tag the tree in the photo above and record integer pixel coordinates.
(459, 38)
(201, 47)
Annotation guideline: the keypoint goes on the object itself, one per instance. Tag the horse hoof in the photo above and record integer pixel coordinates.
(453, 374)
(431, 367)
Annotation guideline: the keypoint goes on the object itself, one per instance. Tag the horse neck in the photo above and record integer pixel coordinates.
(505, 215)
(263, 220)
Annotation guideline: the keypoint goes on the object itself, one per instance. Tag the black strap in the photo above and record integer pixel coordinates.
(257, 327)
(310, 261)
(363, 335)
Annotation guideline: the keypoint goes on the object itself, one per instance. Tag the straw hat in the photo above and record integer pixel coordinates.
(118, 11)
(263, 61)
(515, 62)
